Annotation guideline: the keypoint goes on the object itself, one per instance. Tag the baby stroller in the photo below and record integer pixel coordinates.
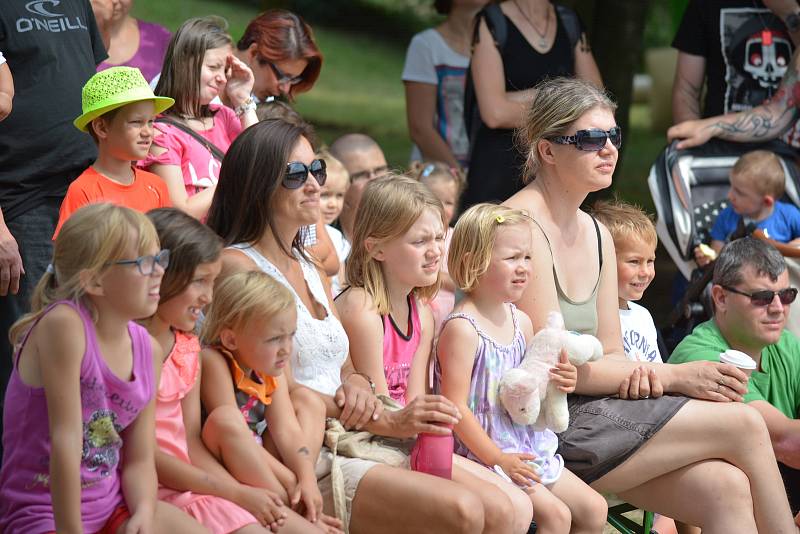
(689, 189)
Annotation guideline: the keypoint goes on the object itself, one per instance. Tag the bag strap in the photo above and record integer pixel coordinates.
(496, 22)
(211, 147)
(572, 24)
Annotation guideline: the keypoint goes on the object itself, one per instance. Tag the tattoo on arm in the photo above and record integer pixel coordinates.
(304, 451)
(767, 121)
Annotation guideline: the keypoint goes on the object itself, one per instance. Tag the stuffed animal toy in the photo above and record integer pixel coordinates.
(526, 392)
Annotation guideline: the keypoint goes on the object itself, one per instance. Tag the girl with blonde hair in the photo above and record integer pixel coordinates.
(673, 454)
(394, 271)
(483, 338)
(78, 433)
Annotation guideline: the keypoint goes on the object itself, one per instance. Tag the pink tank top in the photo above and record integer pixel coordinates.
(109, 404)
(399, 347)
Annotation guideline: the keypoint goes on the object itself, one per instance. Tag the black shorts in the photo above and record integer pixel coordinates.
(603, 432)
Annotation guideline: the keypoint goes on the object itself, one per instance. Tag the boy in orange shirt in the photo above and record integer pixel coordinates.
(118, 112)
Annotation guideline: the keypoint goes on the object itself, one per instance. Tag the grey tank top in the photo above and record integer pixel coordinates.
(580, 316)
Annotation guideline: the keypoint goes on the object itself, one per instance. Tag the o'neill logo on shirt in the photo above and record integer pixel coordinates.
(52, 22)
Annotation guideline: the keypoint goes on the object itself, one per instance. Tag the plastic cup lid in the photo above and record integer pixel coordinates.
(737, 358)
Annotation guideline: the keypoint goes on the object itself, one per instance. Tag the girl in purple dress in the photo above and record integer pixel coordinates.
(489, 261)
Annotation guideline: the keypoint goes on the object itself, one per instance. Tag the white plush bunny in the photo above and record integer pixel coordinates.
(526, 392)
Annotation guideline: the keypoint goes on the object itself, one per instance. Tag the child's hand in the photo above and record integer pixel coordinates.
(240, 81)
(265, 505)
(307, 491)
(517, 469)
(564, 374)
(642, 384)
(139, 523)
(426, 413)
(330, 525)
(703, 254)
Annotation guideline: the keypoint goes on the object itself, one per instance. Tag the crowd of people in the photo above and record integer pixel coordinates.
(213, 322)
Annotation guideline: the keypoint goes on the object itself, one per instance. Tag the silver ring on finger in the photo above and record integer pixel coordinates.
(645, 396)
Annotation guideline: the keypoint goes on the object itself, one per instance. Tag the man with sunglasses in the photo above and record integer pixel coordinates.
(752, 294)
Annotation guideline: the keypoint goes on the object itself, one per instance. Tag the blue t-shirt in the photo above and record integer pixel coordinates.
(782, 226)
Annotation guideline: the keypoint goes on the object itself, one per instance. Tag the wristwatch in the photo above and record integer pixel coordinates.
(793, 21)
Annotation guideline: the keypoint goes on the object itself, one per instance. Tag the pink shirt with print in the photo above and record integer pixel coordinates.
(200, 169)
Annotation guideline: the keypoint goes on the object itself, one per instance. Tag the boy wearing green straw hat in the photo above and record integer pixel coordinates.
(118, 112)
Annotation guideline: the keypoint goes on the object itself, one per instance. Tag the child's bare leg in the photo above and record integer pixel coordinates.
(228, 438)
(171, 520)
(587, 507)
(295, 524)
(552, 516)
(310, 411)
(498, 512)
(701, 430)
(520, 503)
(712, 494)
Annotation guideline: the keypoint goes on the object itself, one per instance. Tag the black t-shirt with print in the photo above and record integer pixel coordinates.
(746, 47)
(52, 48)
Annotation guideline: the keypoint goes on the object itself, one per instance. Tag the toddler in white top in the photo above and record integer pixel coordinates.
(331, 198)
(635, 242)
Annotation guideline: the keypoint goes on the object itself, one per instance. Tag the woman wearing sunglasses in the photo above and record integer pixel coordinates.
(542, 40)
(280, 49)
(674, 454)
(259, 215)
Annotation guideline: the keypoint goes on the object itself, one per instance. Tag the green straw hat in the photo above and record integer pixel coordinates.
(113, 88)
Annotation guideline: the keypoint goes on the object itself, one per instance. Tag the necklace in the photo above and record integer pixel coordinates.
(542, 35)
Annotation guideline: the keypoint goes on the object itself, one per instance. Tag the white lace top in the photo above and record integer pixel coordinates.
(321, 346)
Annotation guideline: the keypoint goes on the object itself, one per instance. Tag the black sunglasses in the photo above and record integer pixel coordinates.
(591, 140)
(764, 298)
(297, 173)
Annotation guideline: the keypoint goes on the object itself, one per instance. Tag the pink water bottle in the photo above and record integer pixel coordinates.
(433, 454)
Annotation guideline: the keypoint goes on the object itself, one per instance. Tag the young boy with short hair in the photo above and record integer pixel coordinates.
(118, 112)
(331, 199)
(757, 184)
(635, 242)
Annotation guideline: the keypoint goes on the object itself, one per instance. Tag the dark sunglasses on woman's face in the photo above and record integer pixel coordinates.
(283, 78)
(765, 298)
(591, 140)
(297, 173)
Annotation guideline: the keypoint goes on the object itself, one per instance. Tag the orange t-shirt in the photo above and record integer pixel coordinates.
(148, 191)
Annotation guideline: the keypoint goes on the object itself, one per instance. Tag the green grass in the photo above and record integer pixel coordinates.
(359, 90)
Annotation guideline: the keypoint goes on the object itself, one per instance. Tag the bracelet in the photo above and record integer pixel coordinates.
(244, 107)
(365, 377)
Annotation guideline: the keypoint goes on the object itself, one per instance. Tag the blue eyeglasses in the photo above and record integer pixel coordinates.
(147, 264)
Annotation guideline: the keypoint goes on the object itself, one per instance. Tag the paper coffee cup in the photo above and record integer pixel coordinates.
(739, 359)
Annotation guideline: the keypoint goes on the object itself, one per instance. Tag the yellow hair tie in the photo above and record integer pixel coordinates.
(500, 219)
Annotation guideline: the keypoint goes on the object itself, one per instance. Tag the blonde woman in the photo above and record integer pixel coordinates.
(671, 454)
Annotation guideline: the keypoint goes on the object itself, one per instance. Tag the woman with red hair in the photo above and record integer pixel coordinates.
(279, 47)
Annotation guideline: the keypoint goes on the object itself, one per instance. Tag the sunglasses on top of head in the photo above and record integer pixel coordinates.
(297, 173)
(765, 298)
(591, 140)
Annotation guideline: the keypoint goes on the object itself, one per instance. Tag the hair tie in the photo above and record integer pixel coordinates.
(50, 269)
(500, 219)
